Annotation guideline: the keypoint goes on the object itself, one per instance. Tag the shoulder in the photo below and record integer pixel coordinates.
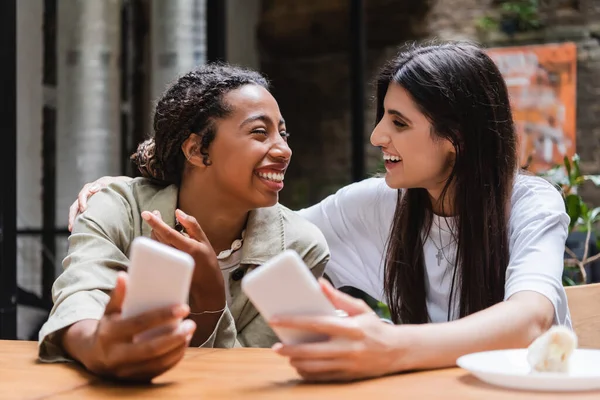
(534, 196)
(298, 230)
(141, 190)
(303, 236)
(536, 204)
(126, 192)
(369, 191)
(113, 207)
(358, 206)
(143, 194)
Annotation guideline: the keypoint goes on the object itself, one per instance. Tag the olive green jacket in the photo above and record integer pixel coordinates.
(99, 245)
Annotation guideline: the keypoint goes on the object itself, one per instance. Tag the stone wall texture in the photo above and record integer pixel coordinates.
(304, 50)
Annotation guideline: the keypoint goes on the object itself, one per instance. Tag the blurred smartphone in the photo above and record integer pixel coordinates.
(159, 276)
(284, 286)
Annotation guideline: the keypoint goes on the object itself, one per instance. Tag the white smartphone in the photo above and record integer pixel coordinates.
(159, 276)
(284, 286)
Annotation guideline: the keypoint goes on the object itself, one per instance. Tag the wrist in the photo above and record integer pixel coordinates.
(408, 345)
(430, 346)
(211, 298)
(207, 279)
(77, 340)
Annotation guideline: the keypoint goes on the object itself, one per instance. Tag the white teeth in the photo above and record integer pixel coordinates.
(275, 177)
(389, 157)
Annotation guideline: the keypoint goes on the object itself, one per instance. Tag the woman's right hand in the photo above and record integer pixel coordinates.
(88, 191)
(107, 347)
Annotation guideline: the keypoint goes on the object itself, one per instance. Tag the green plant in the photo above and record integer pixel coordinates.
(487, 23)
(526, 12)
(511, 16)
(568, 178)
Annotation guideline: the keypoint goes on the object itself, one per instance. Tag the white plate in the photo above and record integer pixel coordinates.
(509, 368)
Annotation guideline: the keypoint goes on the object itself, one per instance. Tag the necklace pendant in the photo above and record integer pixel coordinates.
(439, 257)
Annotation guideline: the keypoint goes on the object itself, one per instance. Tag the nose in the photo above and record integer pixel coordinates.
(378, 137)
(280, 150)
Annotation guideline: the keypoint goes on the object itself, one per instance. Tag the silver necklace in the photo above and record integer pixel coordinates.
(440, 250)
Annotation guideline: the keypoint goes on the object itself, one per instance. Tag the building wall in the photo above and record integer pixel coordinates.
(242, 20)
(566, 21)
(304, 50)
(30, 100)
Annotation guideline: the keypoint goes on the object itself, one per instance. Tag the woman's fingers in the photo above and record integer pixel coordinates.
(164, 232)
(86, 192)
(73, 211)
(342, 301)
(126, 329)
(193, 229)
(155, 347)
(311, 351)
(330, 326)
(80, 205)
(325, 376)
(117, 295)
(169, 236)
(146, 370)
(319, 366)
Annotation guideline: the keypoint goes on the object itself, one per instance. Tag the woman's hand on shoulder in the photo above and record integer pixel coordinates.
(88, 190)
(359, 346)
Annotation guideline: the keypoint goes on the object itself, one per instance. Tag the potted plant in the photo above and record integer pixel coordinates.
(568, 178)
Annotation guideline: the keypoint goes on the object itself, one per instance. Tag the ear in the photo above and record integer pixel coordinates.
(191, 150)
(450, 147)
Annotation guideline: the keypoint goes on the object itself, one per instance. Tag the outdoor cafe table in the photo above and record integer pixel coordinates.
(237, 374)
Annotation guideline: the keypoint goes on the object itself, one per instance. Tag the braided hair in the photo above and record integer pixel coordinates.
(191, 105)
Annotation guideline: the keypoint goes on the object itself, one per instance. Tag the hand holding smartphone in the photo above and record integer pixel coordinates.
(284, 286)
(159, 276)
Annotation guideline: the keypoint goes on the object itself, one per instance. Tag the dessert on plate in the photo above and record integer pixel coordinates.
(551, 351)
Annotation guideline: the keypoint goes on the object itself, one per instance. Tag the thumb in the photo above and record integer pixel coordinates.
(117, 295)
(342, 301)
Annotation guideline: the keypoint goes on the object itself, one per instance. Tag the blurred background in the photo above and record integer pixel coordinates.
(79, 78)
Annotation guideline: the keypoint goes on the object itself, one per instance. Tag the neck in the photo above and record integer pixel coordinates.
(221, 219)
(444, 207)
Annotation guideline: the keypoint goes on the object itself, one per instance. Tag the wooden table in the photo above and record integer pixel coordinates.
(236, 374)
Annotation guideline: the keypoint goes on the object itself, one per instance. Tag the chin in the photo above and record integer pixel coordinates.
(394, 183)
(266, 200)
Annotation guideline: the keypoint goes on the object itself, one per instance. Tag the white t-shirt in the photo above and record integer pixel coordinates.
(356, 222)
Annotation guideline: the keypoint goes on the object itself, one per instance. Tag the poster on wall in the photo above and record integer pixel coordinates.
(541, 81)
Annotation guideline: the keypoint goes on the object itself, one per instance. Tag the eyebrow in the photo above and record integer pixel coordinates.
(399, 114)
(261, 117)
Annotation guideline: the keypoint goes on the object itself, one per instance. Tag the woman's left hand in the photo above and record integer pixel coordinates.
(207, 291)
(207, 275)
(359, 346)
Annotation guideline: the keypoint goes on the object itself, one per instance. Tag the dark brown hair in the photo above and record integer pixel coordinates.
(462, 93)
(191, 105)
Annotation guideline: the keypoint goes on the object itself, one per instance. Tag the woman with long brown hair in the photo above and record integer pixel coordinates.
(474, 254)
